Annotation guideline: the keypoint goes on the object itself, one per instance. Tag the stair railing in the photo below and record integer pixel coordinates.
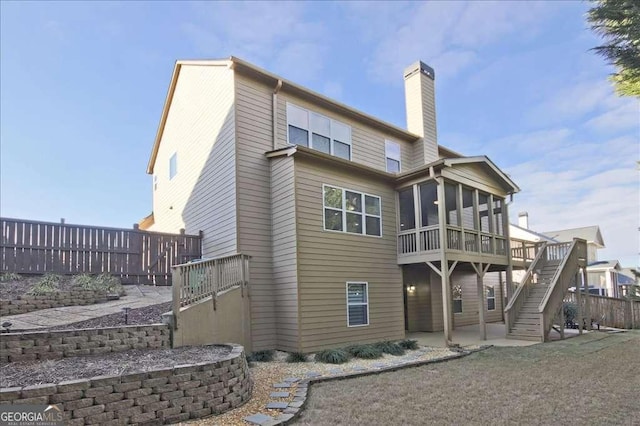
(522, 292)
(575, 256)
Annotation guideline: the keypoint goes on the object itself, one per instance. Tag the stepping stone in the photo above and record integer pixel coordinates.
(379, 365)
(276, 405)
(282, 385)
(284, 417)
(359, 368)
(296, 404)
(291, 410)
(259, 419)
(313, 374)
(291, 379)
(335, 371)
(279, 395)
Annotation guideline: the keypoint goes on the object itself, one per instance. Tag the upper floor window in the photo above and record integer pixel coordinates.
(173, 165)
(351, 211)
(316, 131)
(392, 153)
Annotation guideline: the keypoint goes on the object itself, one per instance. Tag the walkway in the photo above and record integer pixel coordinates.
(137, 297)
(469, 335)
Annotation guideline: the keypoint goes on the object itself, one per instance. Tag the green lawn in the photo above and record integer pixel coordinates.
(592, 379)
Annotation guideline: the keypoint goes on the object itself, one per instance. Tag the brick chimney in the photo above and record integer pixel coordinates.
(420, 101)
(523, 220)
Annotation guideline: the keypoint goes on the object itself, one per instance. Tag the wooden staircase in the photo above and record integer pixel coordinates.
(531, 311)
(527, 323)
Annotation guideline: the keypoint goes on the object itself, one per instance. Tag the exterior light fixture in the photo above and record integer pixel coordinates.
(411, 288)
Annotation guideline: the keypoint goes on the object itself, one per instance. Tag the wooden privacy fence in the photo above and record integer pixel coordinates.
(610, 311)
(138, 257)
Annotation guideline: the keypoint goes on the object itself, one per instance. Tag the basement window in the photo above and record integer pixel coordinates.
(491, 298)
(457, 299)
(357, 304)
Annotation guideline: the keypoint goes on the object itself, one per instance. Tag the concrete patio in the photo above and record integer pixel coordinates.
(469, 335)
(138, 296)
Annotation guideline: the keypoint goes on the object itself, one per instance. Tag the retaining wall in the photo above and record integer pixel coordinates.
(162, 396)
(30, 303)
(31, 346)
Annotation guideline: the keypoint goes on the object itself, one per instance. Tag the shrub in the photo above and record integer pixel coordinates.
(408, 344)
(84, 281)
(261, 356)
(47, 284)
(296, 357)
(570, 311)
(10, 276)
(110, 284)
(390, 348)
(332, 356)
(364, 351)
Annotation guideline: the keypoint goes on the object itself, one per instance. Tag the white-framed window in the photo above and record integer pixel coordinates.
(392, 154)
(173, 165)
(357, 304)
(155, 182)
(316, 131)
(457, 299)
(345, 210)
(491, 298)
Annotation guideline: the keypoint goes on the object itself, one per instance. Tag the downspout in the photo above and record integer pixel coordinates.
(274, 112)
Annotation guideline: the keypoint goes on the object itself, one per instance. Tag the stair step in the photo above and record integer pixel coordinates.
(532, 338)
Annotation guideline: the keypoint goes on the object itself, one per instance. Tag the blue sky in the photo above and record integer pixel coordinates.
(83, 84)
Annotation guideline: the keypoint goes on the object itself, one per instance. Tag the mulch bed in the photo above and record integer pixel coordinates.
(146, 315)
(112, 364)
(10, 290)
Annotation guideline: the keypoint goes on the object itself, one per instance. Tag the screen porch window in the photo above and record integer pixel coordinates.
(491, 298)
(457, 299)
(357, 304)
(351, 211)
(313, 130)
(407, 209)
(392, 153)
(429, 203)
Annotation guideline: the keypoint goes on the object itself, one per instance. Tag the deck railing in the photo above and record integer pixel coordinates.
(427, 239)
(609, 311)
(195, 281)
(524, 251)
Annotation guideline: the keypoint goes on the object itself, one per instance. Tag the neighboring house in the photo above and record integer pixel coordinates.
(591, 234)
(358, 230)
(602, 277)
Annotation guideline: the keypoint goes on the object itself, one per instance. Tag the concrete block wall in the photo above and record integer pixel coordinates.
(41, 345)
(162, 396)
(30, 303)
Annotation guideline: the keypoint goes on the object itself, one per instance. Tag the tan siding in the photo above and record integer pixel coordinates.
(468, 281)
(285, 266)
(202, 194)
(254, 138)
(437, 319)
(367, 144)
(474, 175)
(327, 260)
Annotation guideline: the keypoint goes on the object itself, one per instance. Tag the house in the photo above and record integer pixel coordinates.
(591, 234)
(358, 230)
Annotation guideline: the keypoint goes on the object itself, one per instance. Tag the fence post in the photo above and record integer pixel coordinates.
(176, 286)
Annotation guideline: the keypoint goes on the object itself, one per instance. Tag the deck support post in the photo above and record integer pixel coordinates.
(480, 273)
(587, 300)
(579, 300)
(444, 266)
